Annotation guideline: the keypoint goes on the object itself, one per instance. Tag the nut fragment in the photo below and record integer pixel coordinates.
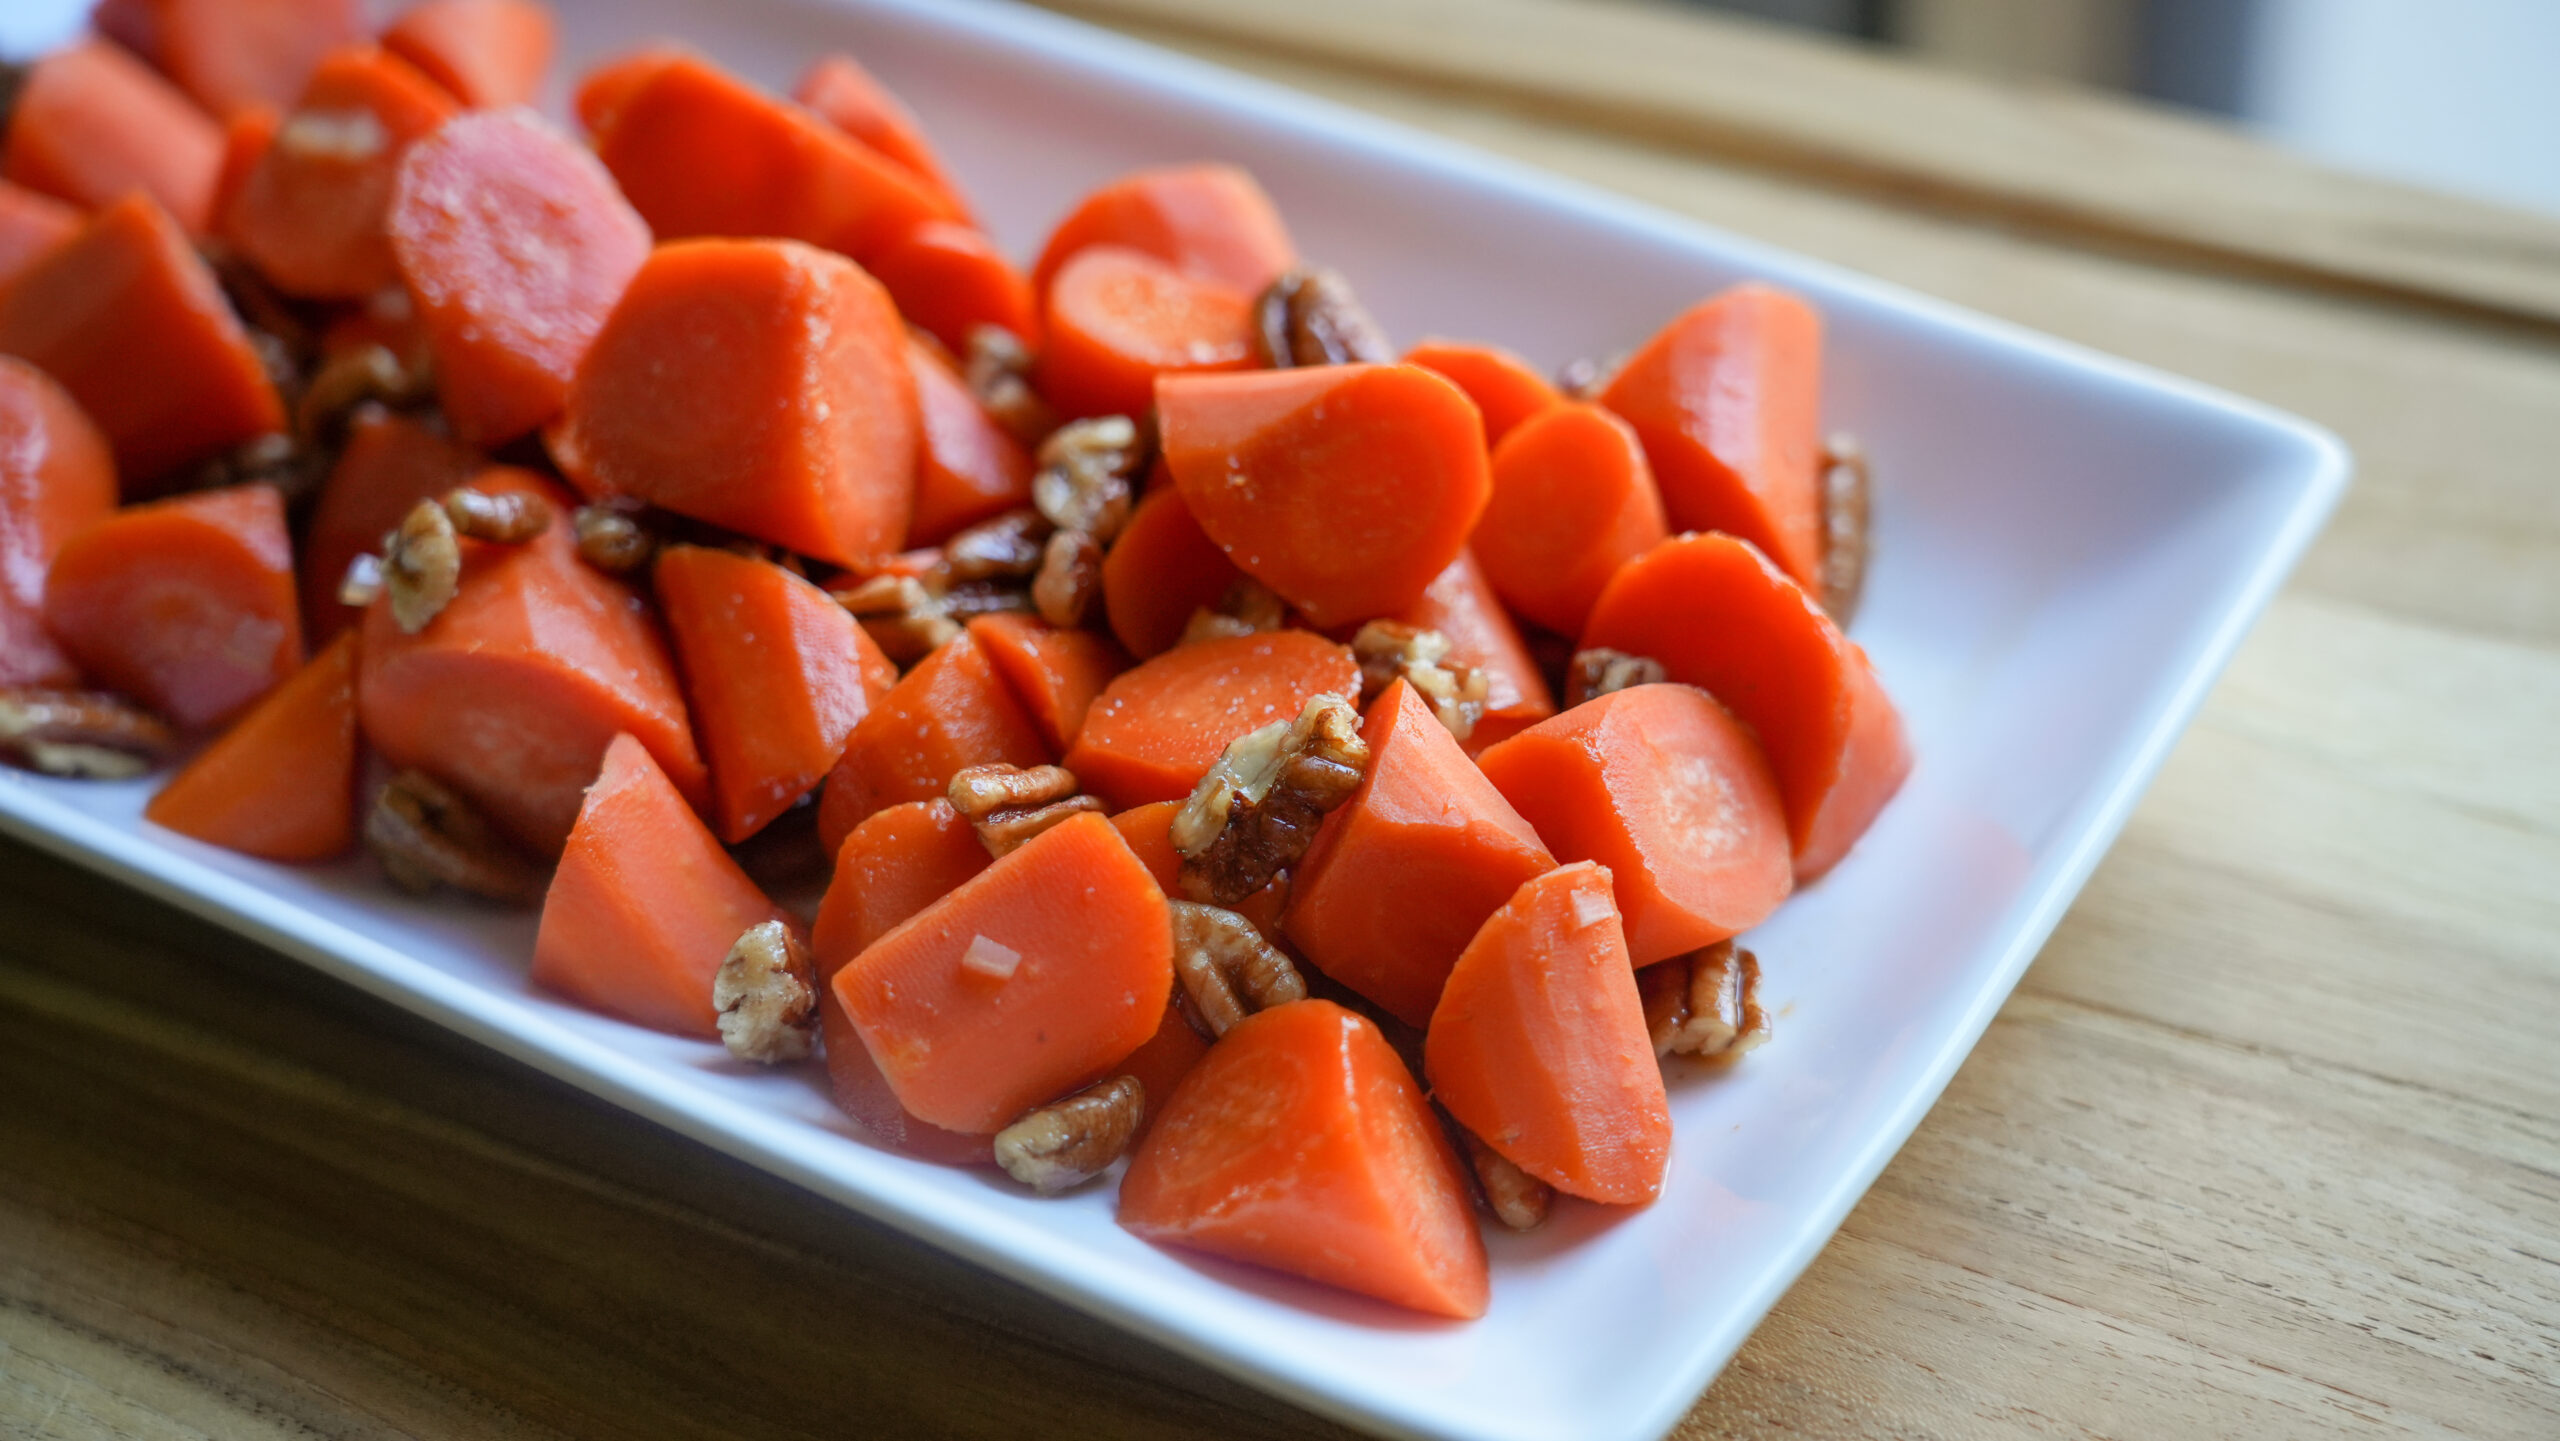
(1585, 378)
(1309, 316)
(1008, 805)
(275, 459)
(1706, 1003)
(1085, 475)
(350, 379)
(1005, 547)
(1248, 607)
(1598, 671)
(1069, 580)
(1845, 511)
(1256, 811)
(901, 616)
(1517, 1199)
(612, 539)
(1388, 650)
(508, 517)
(766, 994)
(79, 734)
(426, 836)
(998, 371)
(1069, 1142)
(421, 566)
(1226, 969)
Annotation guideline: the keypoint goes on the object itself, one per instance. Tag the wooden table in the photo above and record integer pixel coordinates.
(2267, 1143)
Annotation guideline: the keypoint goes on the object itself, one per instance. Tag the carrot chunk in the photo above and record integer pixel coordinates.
(31, 223)
(603, 91)
(1506, 389)
(1162, 1061)
(901, 859)
(1156, 729)
(1834, 739)
(1539, 1047)
(1345, 488)
(1301, 1143)
(1404, 873)
(864, 1094)
(949, 713)
(645, 903)
(232, 55)
(515, 245)
(757, 384)
(1572, 501)
(1209, 222)
(1117, 318)
(848, 98)
(1054, 673)
(185, 604)
(485, 53)
(390, 463)
(1036, 976)
(1460, 604)
(1160, 570)
(949, 279)
(245, 138)
(281, 783)
(967, 467)
(91, 125)
(131, 322)
(1149, 831)
(56, 480)
(1728, 401)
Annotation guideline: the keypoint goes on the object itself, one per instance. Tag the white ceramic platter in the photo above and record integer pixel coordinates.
(2069, 548)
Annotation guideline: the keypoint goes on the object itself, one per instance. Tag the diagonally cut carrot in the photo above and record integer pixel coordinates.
(485, 53)
(56, 480)
(967, 467)
(1572, 501)
(91, 125)
(1056, 674)
(1158, 728)
(1160, 570)
(390, 462)
(846, 95)
(1506, 389)
(901, 859)
(1209, 222)
(950, 712)
(1460, 604)
(1115, 319)
(280, 784)
(949, 279)
(232, 55)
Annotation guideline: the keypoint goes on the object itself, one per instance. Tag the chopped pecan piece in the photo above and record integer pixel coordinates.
(1256, 811)
(612, 538)
(1585, 378)
(276, 459)
(1086, 475)
(350, 379)
(1225, 969)
(277, 330)
(1069, 579)
(998, 371)
(1845, 508)
(1069, 1142)
(1706, 1003)
(1248, 607)
(421, 566)
(1389, 649)
(902, 617)
(1310, 317)
(80, 735)
(968, 598)
(426, 836)
(1006, 547)
(1008, 805)
(1598, 671)
(1517, 1199)
(508, 518)
(766, 992)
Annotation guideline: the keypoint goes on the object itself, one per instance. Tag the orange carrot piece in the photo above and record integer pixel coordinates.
(1834, 739)
(1157, 728)
(311, 214)
(388, 318)
(1117, 318)
(645, 903)
(56, 480)
(485, 53)
(864, 1094)
(1572, 501)
(1160, 570)
(967, 467)
(901, 859)
(1405, 872)
(31, 224)
(949, 279)
(851, 100)
(1162, 1061)
(1036, 976)
(1345, 488)
(757, 384)
(512, 694)
(131, 322)
(390, 462)
(1460, 604)
(91, 125)
(245, 139)
(281, 783)
(603, 91)
(1728, 401)
(1301, 1143)
(1149, 831)
(1212, 223)
(1506, 389)
(1054, 673)
(1539, 1047)
(233, 55)
(950, 712)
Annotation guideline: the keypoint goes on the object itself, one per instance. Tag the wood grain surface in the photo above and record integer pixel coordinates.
(2267, 1143)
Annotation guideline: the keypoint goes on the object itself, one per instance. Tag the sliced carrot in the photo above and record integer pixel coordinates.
(1460, 604)
(512, 694)
(1157, 729)
(388, 318)
(757, 384)
(1405, 871)
(1345, 488)
(185, 604)
(864, 1094)
(950, 712)
(1054, 673)
(131, 322)
(1149, 831)
(1572, 501)
(1506, 389)
(645, 903)
(311, 213)
(901, 859)
(849, 99)
(1117, 318)
(390, 462)
(949, 279)
(485, 53)
(1728, 401)
(603, 91)
(1162, 1061)
(232, 55)
(91, 125)
(967, 467)
(1834, 739)
(1301, 1143)
(1160, 570)
(30, 225)
(1209, 222)
(57, 479)
(281, 783)
(1038, 975)
(245, 138)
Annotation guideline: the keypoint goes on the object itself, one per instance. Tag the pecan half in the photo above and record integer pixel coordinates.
(1598, 671)
(1845, 512)
(998, 371)
(613, 539)
(1004, 547)
(766, 992)
(1086, 476)
(1256, 811)
(902, 617)
(1517, 1199)
(1706, 1003)
(363, 374)
(1309, 316)
(1069, 580)
(507, 518)
(1389, 650)
(1226, 969)
(421, 566)
(1247, 607)
(1069, 1142)
(80, 734)
(1008, 805)
(426, 836)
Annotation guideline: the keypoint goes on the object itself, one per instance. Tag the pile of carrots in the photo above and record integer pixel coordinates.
(1169, 672)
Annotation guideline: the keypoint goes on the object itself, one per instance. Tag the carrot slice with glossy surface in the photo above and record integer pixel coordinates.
(1506, 389)
(1162, 1061)
(1056, 674)
(281, 783)
(390, 462)
(232, 55)
(603, 91)
(1461, 605)
(901, 859)
(1161, 569)
(864, 1094)
(851, 100)
(1572, 501)
(57, 479)
(967, 467)
(1209, 222)
(485, 53)
(1149, 831)
(949, 713)
(1118, 318)
(91, 125)
(245, 138)
(311, 213)
(1156, 729)
(949, 279)
(31, 223)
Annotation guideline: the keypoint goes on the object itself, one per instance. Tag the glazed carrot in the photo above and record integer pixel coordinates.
(30, 224)
(245, 138)
(848, 98)
(281, 783)
(967, 467)
(388, 318)
(390, 463)
(1117, 318)
(645, 903)
(864, 1094)
(515, 245)
(1405, 872)
(950, 712)
(1728, 401)
(185, 604)
(232, 55)
(1572, 501)
(131, 322)
(1460, 604)
(1538, 1044)
(1661, 785)
(950, 279)
(91, 125)
(1157, 729)
(1160, 570)
(757, 384)
(56, 480)
(311, 213)
(1149, 831)
(1834, 739)
(1162, 1061)
(901, 859)
(1301, 1143)
(1036, 976)
(485, 53)
(1054, 673)
(701, 152)
(1345, 488)
(1506, 389)
(603, 91)
(1210, 222)
(512, 694)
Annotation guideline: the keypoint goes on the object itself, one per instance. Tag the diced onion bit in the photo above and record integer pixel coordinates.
(990, 958)
(1590, 910)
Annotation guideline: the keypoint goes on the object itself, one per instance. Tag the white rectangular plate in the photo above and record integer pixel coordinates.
(2068, 549)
